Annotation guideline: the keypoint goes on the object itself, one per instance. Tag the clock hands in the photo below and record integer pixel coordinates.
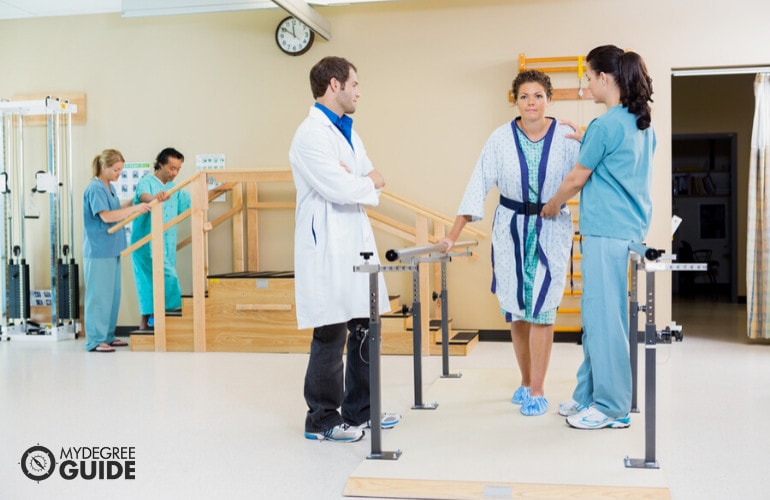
(293, 37)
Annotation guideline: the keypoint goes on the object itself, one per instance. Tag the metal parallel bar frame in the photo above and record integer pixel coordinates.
(445, 327)
(633, 326)
(655, 263)
(375, 337)
(417, 255)
(375, 341)
(404, 253)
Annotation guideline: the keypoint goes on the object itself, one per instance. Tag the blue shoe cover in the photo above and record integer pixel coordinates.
(520, 396)
(534, 406)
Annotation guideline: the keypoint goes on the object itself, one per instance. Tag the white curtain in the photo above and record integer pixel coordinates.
(758, 230)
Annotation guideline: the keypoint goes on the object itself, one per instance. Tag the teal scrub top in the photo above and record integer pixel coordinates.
(97, 243)
(615, 201)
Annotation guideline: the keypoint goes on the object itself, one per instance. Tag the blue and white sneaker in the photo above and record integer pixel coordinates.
(520, 396)
(388, 421)
(570, 407)
(591, 418)
(534, 406)
(342, 433)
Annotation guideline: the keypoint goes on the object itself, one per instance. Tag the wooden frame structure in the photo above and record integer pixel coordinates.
(246, 257)
(563, 64)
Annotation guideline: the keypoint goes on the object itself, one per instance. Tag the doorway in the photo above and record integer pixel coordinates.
(711, 124)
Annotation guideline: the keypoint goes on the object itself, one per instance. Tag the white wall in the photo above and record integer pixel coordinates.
(434, 77)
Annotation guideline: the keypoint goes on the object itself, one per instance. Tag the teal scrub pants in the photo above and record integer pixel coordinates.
(604, 378)
(142, 261)
(102, 300)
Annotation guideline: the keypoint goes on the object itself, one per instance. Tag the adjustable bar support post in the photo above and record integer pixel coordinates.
(417, 342)
(375, 392)
(633, 325)
(445, 327)
(650, 342)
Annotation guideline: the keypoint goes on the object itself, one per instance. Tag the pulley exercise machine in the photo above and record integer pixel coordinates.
(16, 322)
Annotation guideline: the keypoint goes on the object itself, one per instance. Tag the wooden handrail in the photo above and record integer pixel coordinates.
(214, 193)
(152, 204)
(430, 214)
(200, 226)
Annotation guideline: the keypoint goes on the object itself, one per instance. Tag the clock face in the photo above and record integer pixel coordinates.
(293, 36)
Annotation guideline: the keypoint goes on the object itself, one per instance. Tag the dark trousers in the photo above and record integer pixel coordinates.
(326, 389)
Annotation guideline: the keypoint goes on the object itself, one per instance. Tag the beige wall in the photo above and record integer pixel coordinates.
(434, 77)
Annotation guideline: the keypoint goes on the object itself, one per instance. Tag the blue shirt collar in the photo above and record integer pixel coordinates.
(344, 123)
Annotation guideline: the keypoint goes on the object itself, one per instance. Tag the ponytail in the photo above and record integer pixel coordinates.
(630, 74)
(635, 88)
(106, 158)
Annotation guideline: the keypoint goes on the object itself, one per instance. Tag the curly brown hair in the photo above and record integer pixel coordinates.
(532, 75)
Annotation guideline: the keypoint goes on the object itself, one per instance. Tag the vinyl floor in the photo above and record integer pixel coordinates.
(229, 426)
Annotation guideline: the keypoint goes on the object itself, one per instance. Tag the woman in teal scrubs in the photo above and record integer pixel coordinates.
(101, 251)
(614, 171)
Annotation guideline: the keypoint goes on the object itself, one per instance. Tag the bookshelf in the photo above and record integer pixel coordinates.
(703, 180)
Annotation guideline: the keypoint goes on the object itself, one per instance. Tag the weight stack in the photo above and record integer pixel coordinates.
(68, 290)
(18, 290)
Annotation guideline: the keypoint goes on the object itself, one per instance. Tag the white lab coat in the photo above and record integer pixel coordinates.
(331, 226)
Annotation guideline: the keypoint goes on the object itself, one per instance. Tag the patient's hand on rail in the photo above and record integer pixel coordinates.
(142, 208)
(449, 242)
(162, 196)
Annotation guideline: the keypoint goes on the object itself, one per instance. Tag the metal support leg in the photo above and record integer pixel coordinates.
(650, 342)
(375, 393)
(417, 343)
(633, 334)
(445, 327)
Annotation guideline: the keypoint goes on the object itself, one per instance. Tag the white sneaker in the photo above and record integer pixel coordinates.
(591, 418)
(388, 421)
(342, 433)
(570, 407)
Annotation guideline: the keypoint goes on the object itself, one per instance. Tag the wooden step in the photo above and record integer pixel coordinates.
(460, 343)
(250, 314)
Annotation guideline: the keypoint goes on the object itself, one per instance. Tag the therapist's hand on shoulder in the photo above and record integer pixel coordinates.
(577, 135)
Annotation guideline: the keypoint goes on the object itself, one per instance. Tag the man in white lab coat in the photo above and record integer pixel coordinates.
(334, 180)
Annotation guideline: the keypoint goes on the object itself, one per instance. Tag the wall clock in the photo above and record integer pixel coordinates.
(293, 36)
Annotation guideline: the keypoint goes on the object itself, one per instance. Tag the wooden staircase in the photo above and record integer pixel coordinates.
(236, 317)
(397, 336)
(254, 312)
